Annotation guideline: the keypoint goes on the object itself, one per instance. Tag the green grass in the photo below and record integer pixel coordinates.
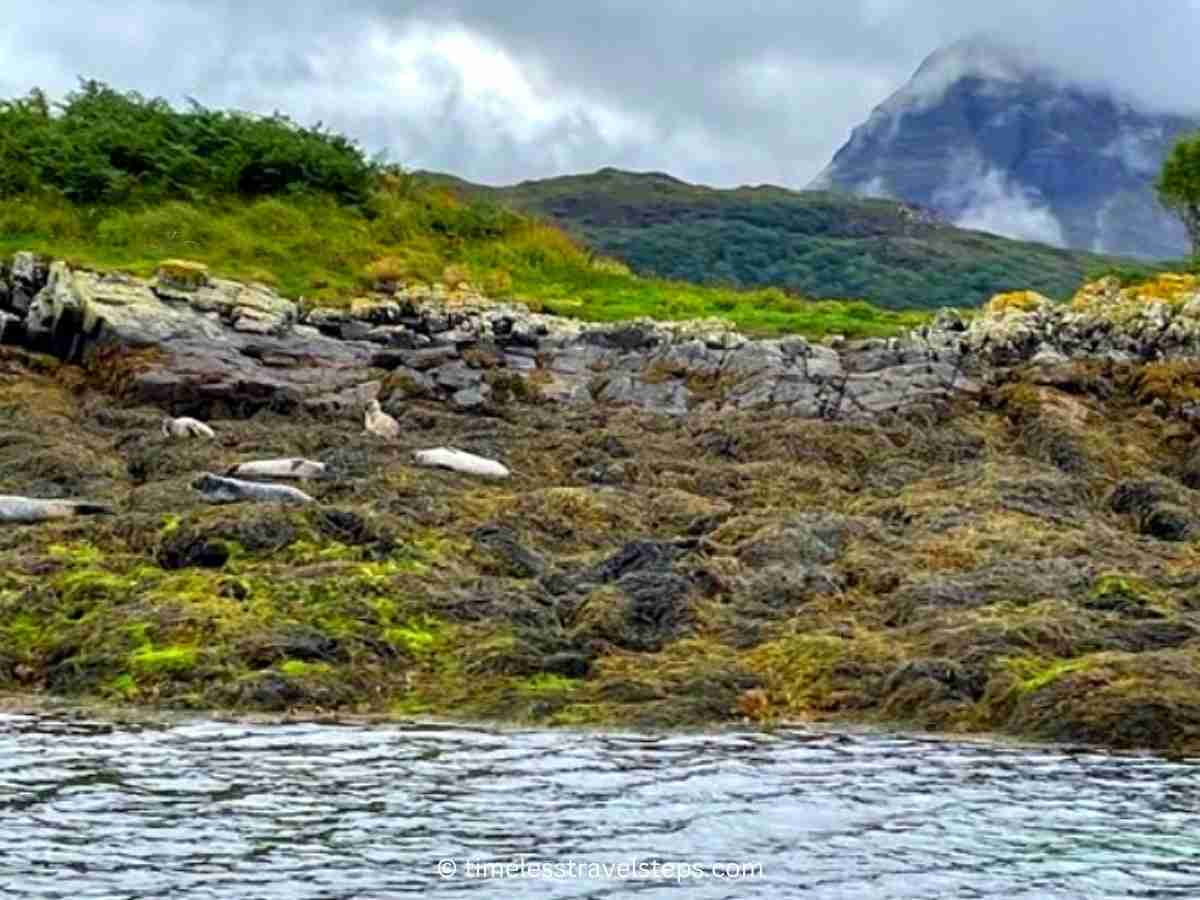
(309, 246)
(115, 180)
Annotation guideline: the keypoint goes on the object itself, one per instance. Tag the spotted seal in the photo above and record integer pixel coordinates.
(27, 510)
(280, 468)
(217, 489)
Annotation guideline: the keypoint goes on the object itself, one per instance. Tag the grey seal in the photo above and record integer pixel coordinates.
(461, 461)
(380, 423)
(185, 427)
(280, 468)
(230, 490)
(26, 510)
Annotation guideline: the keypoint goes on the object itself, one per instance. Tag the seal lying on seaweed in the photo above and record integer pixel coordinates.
(26, 510)
(280, 468)
(185, 427)
(230, 490)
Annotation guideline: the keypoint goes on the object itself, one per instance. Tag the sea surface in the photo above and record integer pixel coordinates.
(216, 809)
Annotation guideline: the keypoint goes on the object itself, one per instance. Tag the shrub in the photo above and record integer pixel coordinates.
(104, 146)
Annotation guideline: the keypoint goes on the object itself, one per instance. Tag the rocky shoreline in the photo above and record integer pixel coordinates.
(987, 525)
(212, 347)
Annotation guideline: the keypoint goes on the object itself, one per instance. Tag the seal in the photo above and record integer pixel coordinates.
(185, 427)
(280, 468)
(27, 510)
(461, 461)
(230, 490)
(380, 423)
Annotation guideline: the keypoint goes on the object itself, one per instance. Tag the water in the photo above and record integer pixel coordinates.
(205, 809)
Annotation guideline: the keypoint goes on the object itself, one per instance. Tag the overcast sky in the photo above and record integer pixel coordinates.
(718, 92)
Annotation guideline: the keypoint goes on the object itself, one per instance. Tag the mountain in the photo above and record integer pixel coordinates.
(993, 138)
(817, 243)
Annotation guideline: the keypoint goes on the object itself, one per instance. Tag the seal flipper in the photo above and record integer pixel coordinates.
(91, 509)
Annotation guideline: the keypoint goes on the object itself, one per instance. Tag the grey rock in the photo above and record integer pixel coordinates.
(456, 376)
(423, 359)
(471, 399)
(12, 328)
(669, 397)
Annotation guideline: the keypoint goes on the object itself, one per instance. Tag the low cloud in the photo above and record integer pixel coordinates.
(998, 205)
(722, 93)
(984, 198)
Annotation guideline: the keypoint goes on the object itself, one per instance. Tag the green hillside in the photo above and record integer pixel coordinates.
(114, 180)
(818, 244)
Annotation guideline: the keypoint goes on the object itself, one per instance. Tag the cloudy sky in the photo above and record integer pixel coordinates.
(502, 90)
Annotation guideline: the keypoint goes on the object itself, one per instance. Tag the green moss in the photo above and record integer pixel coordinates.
(123, 687)
(1035, 673)
(23, 633)
(1130, 595)
(422, 636)
(547, 684)
(158, 660)
(81, 554)
(92, 585)
(296, 668)
(1122, 587)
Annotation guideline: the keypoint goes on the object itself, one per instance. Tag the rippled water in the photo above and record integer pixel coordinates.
(203, 809)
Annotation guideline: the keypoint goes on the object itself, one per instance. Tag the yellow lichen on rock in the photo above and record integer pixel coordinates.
(1169, 287)
(1019, 301)
(1097, 293)
(183, 273)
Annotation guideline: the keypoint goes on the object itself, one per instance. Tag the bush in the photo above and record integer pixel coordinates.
(104, 146)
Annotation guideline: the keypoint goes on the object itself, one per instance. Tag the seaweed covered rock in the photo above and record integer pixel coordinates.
(512, 557)
(806, 539)
(1168, 522)
(697, 527)
(929, 690)
(1145, 700)
(1019, 581)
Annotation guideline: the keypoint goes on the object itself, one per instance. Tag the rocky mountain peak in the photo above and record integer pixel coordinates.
(992, 137)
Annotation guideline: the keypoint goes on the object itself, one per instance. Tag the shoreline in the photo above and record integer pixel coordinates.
(968, 530)
(107, 714)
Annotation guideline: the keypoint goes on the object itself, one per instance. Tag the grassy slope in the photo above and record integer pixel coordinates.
(313, 247)
(816, 243)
